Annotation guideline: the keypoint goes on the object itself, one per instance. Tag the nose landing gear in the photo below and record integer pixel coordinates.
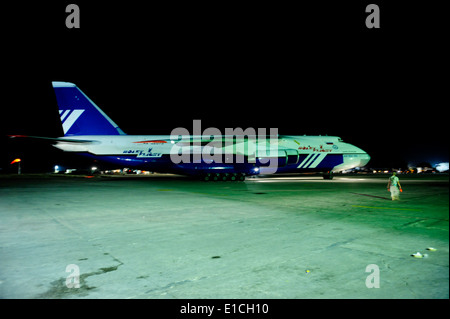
(328, 175)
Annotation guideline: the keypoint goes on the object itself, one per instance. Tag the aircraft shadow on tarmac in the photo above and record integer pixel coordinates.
(381, 197)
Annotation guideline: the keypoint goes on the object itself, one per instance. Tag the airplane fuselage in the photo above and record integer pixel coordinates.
(155, 153)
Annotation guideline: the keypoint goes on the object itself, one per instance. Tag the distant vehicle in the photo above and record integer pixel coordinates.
(88, 131)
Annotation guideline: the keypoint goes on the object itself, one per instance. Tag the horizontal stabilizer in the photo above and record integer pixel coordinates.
(53, 139)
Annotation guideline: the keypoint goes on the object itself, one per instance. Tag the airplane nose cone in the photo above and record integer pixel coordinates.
(364, 160)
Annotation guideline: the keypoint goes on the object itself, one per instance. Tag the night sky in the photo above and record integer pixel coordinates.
(304, 69)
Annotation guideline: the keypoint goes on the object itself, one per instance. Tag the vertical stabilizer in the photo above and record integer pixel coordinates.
(80, 115)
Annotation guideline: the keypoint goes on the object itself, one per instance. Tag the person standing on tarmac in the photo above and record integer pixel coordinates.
(394, 186)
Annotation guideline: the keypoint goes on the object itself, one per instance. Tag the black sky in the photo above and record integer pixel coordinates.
(303, 68)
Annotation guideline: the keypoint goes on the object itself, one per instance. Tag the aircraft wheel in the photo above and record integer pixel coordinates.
(223, 177)
(328, 175)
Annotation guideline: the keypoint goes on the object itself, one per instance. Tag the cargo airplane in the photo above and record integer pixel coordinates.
(89, 132)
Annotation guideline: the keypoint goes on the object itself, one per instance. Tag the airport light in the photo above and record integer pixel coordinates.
(19, 170)
(442, 167)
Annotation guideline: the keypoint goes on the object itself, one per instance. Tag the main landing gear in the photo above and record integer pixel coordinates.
(328, 175)
(234, 177)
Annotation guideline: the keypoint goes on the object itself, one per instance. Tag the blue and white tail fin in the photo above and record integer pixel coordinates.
(80, 115)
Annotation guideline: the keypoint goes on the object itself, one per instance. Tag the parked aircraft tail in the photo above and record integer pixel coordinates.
(80, 115)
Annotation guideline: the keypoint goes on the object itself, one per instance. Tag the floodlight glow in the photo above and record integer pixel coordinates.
(442, 167)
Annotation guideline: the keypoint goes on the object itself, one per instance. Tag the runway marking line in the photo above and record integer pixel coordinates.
(412, 209)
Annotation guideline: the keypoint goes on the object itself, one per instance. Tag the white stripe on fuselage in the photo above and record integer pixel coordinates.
(312, 160)
(318, 160)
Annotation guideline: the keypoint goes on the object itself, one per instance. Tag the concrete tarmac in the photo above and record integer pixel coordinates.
(166, 236)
